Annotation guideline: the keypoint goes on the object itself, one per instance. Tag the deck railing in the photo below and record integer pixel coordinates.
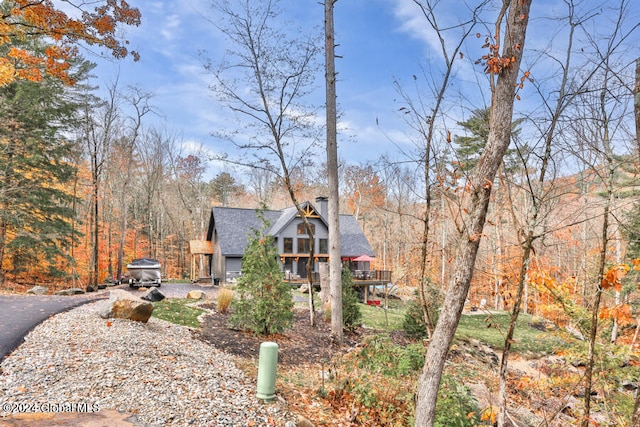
(358, 276)
(373, 275)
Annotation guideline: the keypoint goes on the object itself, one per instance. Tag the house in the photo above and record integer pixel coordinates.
(228, 229)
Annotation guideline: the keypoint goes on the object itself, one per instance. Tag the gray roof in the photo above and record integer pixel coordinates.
(233, 224)
(353, 242)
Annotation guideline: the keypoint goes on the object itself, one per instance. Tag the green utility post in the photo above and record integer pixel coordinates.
(267, 370)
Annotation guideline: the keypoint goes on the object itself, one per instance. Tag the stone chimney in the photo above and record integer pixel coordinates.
(322, 206)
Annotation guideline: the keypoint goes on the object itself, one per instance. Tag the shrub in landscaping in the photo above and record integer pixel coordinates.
(379, 354)
(351, 315)
(413, 323)
(225, 296)
(455, 406)
(264, 304)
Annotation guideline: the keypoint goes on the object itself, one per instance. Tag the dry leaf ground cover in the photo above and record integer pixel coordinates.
(371, 380)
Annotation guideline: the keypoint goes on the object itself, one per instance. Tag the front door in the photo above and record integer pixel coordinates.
(302, 267)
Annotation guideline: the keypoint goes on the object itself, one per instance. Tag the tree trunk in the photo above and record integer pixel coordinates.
(636, 105)
(335, 263)
(636, 92)
(92, 286)
(593, 331)
(481, 185)
(3, 240)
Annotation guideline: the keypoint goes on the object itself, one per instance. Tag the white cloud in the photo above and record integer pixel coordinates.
(171, 25)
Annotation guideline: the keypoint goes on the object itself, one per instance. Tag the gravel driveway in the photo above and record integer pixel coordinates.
(19, 314)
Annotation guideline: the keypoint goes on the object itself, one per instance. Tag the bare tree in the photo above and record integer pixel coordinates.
(265, 84)
(505, 67)
(99, 128)
(138, 101)
(422, 117)
(335, 262)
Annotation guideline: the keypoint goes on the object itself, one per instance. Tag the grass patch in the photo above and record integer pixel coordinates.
(176, 310)
(492, 328)
(374, 317)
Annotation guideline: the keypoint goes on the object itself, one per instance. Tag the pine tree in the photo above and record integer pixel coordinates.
(470, 147)
(35, 166)
(631, 231)
(264, 304)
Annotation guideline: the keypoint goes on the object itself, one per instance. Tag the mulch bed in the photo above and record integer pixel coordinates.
(302, 344)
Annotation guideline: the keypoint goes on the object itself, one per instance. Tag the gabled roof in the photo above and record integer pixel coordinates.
(353, 242)
(289, 214)
(233, 224)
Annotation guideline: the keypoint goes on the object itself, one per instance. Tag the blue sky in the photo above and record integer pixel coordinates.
(375, 43)
(380, 40)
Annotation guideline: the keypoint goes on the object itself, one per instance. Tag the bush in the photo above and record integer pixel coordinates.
(351, 315)
(264, 304)
(225, 296)
(379, 354)
(414, 324)
(455, 406)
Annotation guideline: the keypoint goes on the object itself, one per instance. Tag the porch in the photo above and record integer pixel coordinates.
(371, 285)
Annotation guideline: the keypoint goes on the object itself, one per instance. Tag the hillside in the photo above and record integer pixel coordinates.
(372, 382)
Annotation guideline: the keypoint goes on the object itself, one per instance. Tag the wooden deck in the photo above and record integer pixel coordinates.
(360, 278)
(372, 284)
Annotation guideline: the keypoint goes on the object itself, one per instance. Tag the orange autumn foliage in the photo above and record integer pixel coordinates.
(621, 313)
(28, 19)
(613, 276)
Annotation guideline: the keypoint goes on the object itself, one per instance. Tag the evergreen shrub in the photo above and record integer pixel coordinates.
(351, 314)
(264, 304)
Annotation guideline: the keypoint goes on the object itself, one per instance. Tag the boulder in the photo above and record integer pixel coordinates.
(304, 288)
(38, 290)
(195, 295)
(123, 305)
(303, 422)
(153, 295)
(71, 291)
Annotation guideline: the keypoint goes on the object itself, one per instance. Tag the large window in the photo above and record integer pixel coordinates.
(304, 246)
(323, 246)
(302, 229)
(287, 243)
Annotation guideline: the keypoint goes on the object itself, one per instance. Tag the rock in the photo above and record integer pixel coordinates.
(482, 394)
(153, 295)
(524, 417)
(195, 295)
(123, 305)
(38, 290)
(70, 291)
(304, 288)
(303, 422)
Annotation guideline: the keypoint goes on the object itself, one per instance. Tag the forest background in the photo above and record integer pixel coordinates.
(89, 181)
